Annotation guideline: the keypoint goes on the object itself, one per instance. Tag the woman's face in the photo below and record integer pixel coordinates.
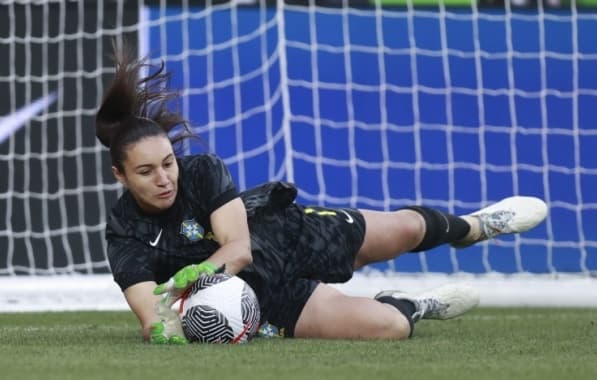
(150, 173)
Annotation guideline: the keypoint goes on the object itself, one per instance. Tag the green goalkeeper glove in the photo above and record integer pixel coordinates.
(169, 329)
(159, 335)
(175, 287)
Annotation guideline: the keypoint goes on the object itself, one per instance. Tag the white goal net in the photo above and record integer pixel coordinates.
(453, 105)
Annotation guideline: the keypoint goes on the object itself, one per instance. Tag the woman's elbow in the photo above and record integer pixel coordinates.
(246, 258)
(237, 256)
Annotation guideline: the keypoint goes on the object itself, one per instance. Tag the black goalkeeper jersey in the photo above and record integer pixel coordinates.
(293, 246)
(145, 247)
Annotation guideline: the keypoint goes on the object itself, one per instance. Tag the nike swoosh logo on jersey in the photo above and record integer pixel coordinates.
(157, 240)
(349, 219)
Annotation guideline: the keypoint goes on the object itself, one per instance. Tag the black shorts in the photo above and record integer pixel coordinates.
(296, 248)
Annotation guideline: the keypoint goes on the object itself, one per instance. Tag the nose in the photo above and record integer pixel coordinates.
(162, 177)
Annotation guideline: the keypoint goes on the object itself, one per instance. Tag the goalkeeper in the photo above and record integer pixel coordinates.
(182, 217)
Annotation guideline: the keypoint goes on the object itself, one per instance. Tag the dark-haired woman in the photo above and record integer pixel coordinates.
(180, 218)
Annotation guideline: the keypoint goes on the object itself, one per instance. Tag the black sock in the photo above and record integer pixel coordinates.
(440, 228)
(406, 307)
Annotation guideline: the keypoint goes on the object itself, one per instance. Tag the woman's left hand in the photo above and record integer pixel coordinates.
(175, 287)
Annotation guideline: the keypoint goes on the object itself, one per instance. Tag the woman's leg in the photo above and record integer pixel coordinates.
(329, 314)
(389, 234)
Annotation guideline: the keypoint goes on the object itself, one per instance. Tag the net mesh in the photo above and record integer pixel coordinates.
(372, 107)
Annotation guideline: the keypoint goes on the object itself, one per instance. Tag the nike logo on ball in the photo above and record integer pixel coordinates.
(157, 240)
(349, 219)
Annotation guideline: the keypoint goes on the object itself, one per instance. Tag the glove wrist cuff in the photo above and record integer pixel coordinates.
(208, 267)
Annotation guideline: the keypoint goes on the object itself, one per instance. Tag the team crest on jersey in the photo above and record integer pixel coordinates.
(191, 230)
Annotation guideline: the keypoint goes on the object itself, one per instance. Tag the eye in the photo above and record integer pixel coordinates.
(168, 163)
(144, 172)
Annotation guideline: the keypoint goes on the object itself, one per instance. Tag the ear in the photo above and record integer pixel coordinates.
(119, 175)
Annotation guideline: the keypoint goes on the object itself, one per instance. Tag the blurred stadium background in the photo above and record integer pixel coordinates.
(453, 104)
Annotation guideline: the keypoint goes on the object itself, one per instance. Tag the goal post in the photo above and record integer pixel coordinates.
(375, 105)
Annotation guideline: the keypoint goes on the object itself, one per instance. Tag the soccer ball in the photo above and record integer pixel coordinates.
(219, 309)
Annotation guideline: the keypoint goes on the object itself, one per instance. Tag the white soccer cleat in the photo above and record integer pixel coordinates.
(444, 302)
(511, 215)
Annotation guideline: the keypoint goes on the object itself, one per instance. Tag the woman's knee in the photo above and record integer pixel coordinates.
(412, 226)
(397, 327)
(389, 234)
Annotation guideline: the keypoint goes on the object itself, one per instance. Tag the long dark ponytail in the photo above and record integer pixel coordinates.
(134, 108)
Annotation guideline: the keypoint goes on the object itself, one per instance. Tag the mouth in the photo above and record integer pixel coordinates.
(166, 194)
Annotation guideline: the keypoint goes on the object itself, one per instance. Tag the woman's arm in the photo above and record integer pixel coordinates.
(231, 229)
(159, 323)
(142, 302)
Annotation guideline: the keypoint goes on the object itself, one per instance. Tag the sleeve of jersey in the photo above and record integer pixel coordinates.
(214, 183)
(129, 261)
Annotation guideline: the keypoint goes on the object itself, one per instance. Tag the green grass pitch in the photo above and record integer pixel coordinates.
(488, 343)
